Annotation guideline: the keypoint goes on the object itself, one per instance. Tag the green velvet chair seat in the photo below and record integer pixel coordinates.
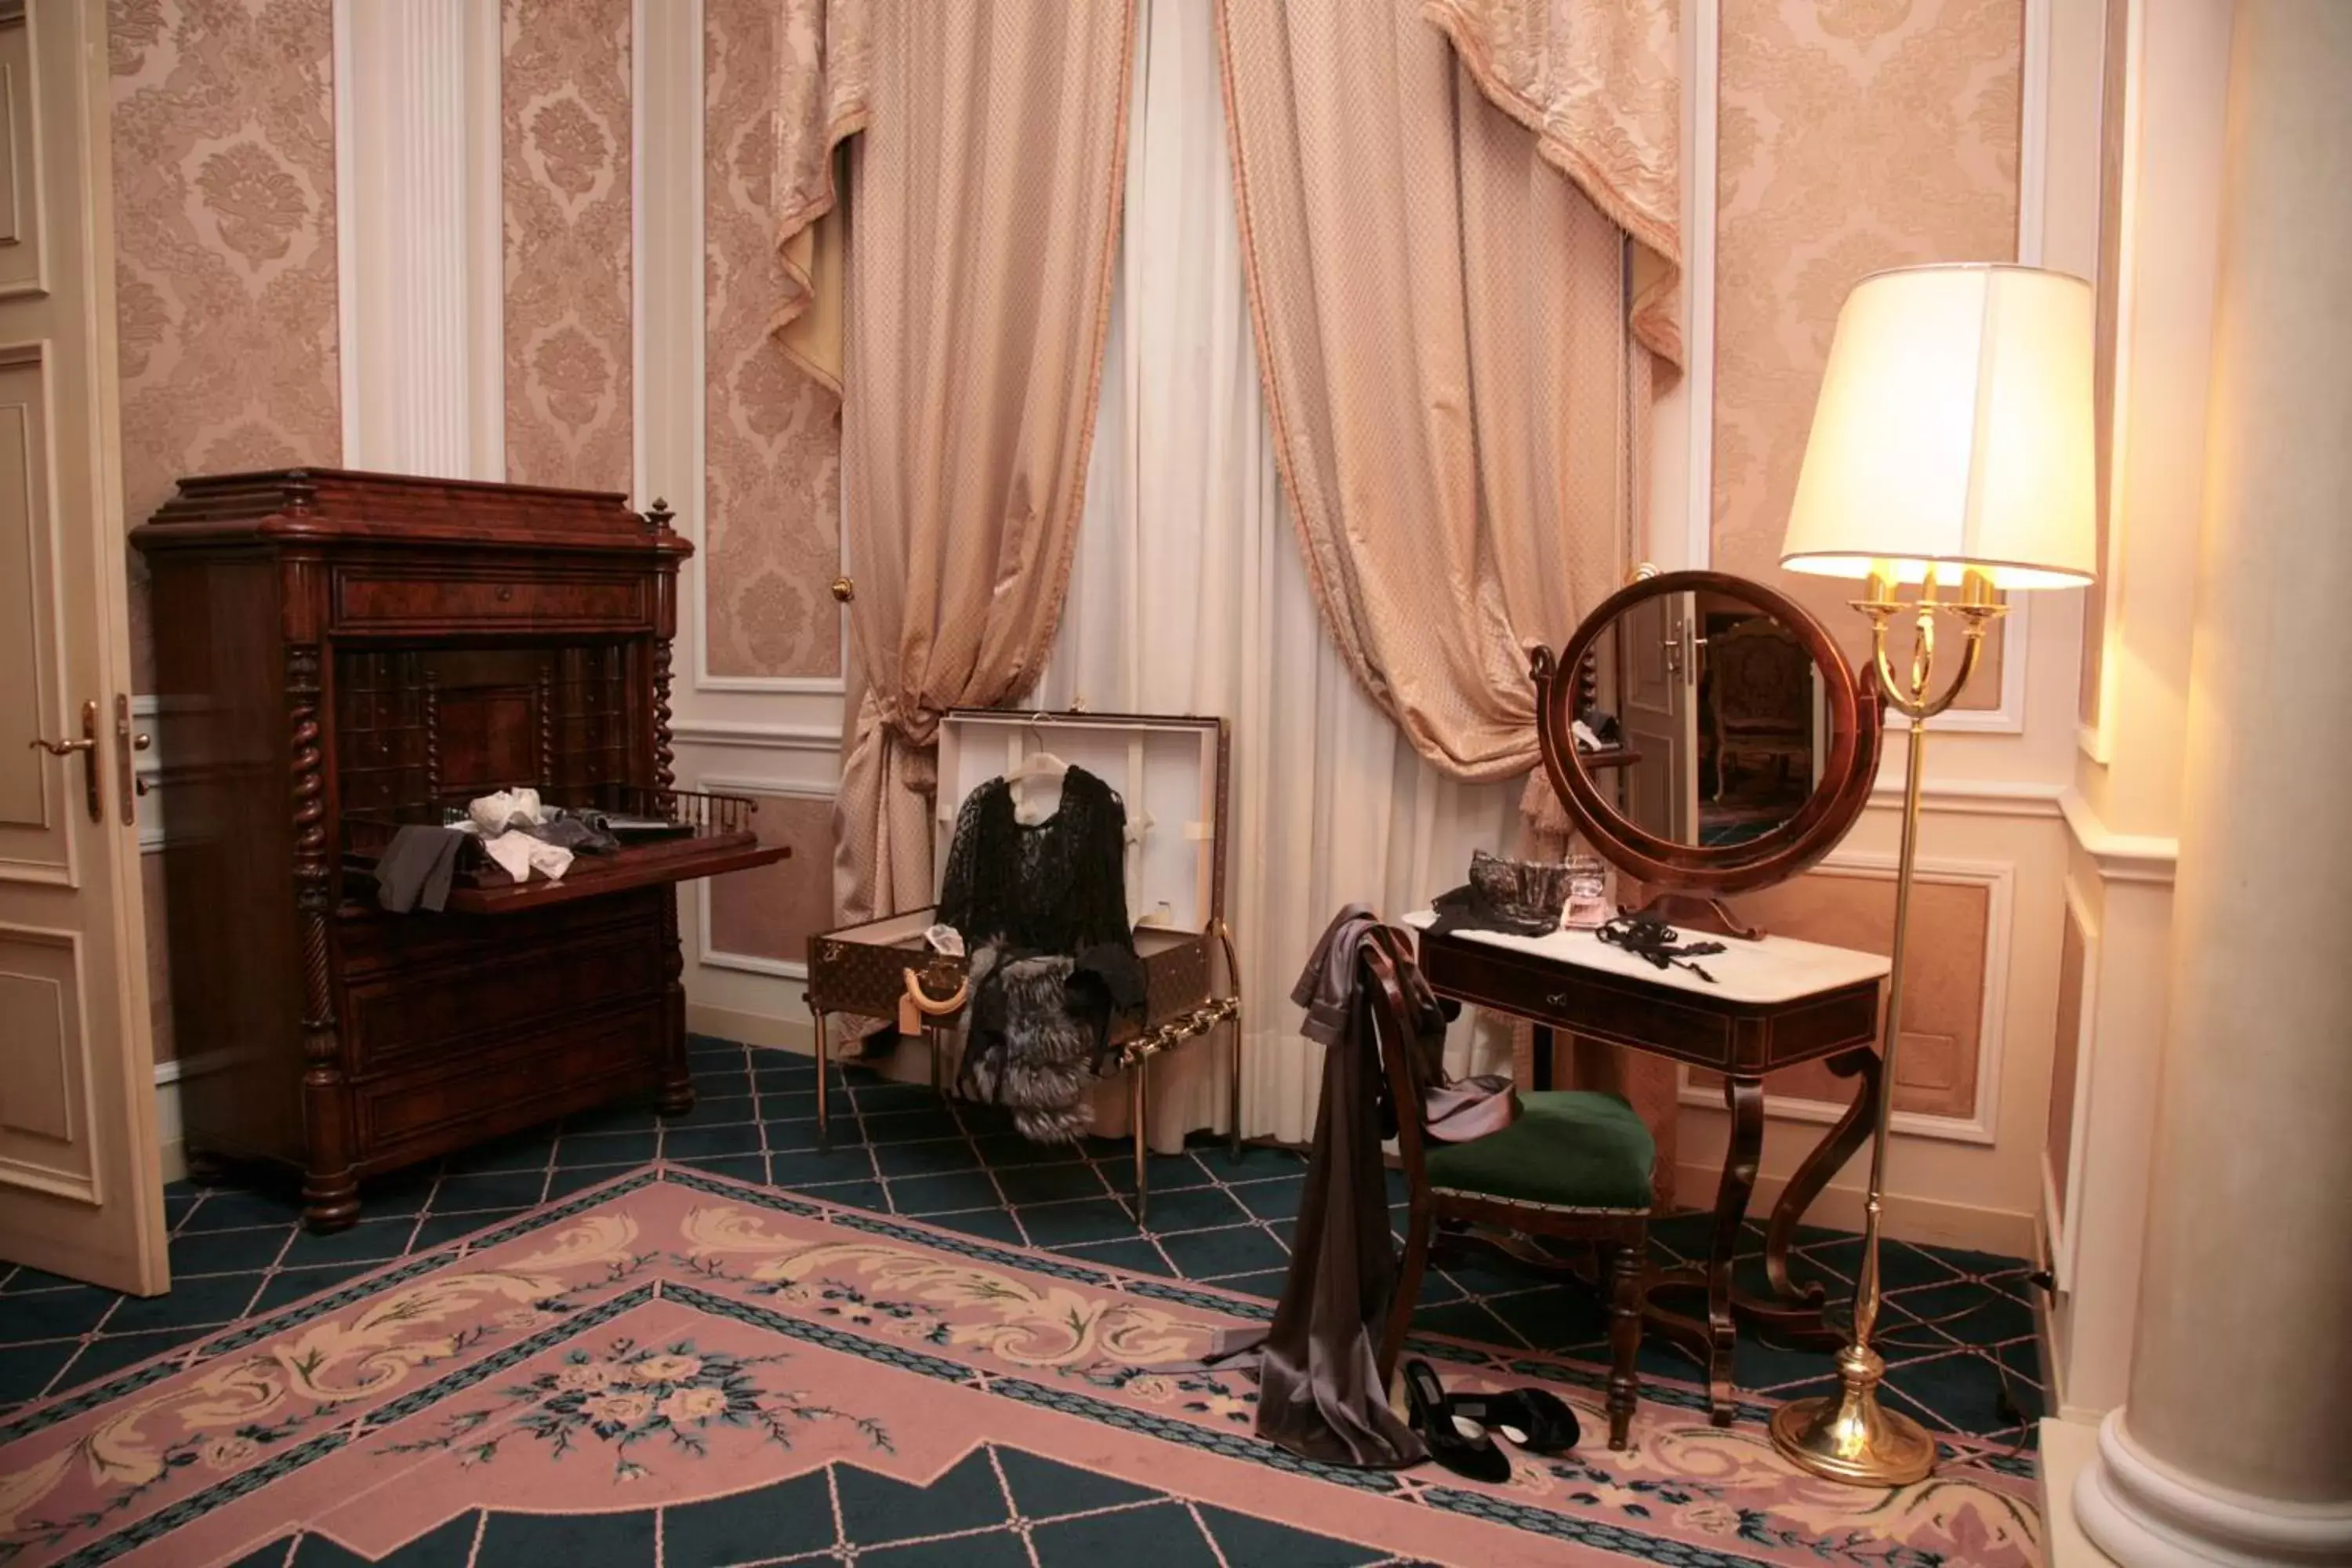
(1568, 1148)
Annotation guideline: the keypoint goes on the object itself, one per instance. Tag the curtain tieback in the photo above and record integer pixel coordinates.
(909, 742)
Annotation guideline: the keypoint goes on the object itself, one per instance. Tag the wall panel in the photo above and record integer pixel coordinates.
(224, 131)
(568, 200)
(1851, 138)
(773, 433)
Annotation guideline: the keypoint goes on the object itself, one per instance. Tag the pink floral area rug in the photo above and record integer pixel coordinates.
(679, 1371)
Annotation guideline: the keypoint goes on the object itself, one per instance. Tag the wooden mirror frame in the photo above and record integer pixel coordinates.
(1856, 717)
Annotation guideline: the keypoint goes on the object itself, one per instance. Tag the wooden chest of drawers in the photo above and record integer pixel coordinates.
(338, 653)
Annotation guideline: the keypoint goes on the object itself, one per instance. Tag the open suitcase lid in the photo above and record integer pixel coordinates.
(1169, 772)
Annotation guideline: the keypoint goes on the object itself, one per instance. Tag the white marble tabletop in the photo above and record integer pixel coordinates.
(1769, 970)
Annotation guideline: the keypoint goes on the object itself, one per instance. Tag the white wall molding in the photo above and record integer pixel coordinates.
(751, 1028)
(672, 243)
(1702, 23)
(693, 520)
(420, 243)
(640, 73)
(1909, 1216)
(765, 737)
(2120, 856)
(667, 280)
(2060, 1209)
(2098, 741)
(720, 958)
(2033, 131)
(486, 237)
(1967, 797)
(808, 685)
(1981, 1125)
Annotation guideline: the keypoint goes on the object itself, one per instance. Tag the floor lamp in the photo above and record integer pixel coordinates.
(1951, 448)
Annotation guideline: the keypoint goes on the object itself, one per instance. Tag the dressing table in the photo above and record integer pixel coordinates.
(1669, 821)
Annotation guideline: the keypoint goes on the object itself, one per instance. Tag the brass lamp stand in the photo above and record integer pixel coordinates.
(1847, 1436)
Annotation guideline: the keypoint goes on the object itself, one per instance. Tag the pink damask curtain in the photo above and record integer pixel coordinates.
(1598, 85)
(1442, 310)
(1458, 223)
(985, 148)
(821, 95)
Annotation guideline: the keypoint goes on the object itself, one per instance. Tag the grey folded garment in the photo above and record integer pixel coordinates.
(415, 868)
(578, 834)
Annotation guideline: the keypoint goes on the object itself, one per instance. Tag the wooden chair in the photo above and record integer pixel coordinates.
(1760, 699)
(1575, 1165)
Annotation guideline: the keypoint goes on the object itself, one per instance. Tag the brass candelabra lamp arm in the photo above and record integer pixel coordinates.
(1849, 1435)
(1976, 607)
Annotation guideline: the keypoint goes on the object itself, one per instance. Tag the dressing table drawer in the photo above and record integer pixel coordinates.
(1744, 1037)
(1596, 1007)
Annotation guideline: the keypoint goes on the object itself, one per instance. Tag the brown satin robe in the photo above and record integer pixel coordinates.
(1319, 1388)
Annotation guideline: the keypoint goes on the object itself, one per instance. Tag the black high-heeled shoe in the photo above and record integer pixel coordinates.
(1474, 1458)
(1535, 1419)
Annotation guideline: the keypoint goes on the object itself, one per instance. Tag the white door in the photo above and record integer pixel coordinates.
(80, 1186)
(1657, 656)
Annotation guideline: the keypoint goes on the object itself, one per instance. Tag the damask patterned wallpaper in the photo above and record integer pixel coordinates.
(567, 243)
(223, 132)
(772, 526)
(1850, 137)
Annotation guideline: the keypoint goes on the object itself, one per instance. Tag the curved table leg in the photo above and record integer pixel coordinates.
(1786, 1310)
(1745, 1100)
(1713, 1343)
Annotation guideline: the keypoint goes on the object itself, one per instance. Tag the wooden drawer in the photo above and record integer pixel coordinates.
(373, 942)
(371, 599)
(393, 1018)
(1743, 1037)
(515, 1083)
(1593, 1007)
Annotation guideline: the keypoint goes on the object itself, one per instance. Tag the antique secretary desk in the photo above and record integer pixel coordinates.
(339, 654)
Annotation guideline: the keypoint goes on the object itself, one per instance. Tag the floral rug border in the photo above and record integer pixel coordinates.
(1597, 1533)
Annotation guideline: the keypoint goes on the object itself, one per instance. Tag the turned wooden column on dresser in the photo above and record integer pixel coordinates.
(340, 655)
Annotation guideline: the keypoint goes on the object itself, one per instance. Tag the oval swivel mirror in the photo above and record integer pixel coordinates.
(1707, 738)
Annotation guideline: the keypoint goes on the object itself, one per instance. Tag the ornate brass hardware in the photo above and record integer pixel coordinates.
(844, 590)
(87, 747)
(125, 742)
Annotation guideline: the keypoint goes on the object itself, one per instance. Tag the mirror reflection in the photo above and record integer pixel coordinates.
(1702, 719)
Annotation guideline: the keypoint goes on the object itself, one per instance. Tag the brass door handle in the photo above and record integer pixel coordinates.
(87, 747)
(844, 590)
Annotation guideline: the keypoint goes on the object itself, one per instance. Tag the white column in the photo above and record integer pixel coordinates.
(418, 143)
(2235, 1444)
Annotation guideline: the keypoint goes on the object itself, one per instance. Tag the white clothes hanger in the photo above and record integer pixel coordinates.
(1038, 764)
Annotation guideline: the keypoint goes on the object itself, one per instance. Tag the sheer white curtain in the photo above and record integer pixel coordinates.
(1188, 595)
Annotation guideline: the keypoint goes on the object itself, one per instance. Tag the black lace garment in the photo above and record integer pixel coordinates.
(1043, 910)
(1057, 887)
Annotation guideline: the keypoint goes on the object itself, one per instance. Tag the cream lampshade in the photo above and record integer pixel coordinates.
(1952, 441)
(1954, 428)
